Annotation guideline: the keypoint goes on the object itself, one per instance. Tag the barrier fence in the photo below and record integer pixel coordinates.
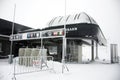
(29, 64)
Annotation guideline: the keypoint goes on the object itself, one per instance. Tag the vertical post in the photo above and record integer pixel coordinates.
(41, 53)
(80, 54)
(11, 46)
(41, 43)
(14, 77)
(111, 50)
(117, 57)
(92, 50)
(64, 44)
(97, 51)
(63, 54)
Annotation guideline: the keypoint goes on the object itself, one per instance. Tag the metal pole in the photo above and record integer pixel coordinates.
(11, 46)
(14, 77)
(64, 44)
(63, 54)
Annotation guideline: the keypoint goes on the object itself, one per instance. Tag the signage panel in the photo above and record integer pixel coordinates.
(39, 34)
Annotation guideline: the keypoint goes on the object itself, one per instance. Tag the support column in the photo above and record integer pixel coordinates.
(96, 51)
(111, 51)
(80, 54)
(92, 51)
(64, 54)
(63, 49)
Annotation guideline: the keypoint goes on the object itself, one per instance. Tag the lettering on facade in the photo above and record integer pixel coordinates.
(71, 29)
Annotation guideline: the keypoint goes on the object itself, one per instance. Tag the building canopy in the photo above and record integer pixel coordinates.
(78, 26)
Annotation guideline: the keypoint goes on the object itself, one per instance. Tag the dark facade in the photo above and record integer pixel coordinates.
(5, 32)
(81, 29)
(4, 46)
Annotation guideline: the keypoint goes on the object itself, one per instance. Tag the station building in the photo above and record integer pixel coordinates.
(81, 29)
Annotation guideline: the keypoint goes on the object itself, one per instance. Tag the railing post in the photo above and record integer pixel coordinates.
(14, 78)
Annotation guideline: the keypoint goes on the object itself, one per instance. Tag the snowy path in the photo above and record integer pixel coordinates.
(77, 72)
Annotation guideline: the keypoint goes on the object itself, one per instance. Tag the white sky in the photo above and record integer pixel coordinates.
(37, 13)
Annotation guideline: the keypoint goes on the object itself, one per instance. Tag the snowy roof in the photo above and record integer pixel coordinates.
(72, 19)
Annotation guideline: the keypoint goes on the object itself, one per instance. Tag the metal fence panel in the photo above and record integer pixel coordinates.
(29, 64)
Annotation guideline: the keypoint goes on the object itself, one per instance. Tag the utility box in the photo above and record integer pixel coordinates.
(114, 53)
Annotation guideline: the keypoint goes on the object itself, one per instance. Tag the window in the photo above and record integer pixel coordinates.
(53, 50)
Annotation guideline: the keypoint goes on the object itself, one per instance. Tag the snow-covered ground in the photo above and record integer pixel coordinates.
(93, 71)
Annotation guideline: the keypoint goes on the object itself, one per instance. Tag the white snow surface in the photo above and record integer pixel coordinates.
(92, 71)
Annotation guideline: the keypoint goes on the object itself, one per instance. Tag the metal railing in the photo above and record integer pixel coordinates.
(29, 64)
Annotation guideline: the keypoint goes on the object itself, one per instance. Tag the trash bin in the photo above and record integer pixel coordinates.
(10, 59)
